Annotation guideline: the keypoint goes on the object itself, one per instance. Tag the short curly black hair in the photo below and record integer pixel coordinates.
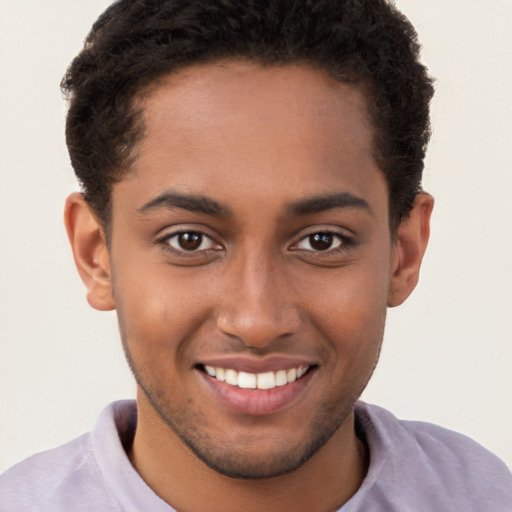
(136, 42)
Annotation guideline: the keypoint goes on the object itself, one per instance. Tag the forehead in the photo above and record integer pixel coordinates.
(212, 86)
(260, 133)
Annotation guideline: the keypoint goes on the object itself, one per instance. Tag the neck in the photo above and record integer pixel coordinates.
(324, 483)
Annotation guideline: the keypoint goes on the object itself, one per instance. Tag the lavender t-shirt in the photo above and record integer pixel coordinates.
(414, 467)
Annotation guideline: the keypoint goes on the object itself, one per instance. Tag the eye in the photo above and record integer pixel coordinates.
(190, 241)
(322, 241)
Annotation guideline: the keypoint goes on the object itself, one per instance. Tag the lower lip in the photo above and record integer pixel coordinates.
(257, 402)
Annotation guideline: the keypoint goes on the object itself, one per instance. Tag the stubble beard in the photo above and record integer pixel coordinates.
(225, 459)
(191, 427)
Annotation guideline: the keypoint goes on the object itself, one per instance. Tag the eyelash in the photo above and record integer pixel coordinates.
(166, 242)
(344, 242)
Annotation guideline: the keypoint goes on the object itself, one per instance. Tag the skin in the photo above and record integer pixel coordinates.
(271, 156)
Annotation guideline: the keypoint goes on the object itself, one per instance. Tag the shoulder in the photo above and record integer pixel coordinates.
(52, 480)
(434, 464)
(92, 472)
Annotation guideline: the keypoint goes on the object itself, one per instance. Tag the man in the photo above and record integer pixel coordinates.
(251, 206)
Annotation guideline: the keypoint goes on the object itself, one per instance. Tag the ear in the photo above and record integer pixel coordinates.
(89, 247)
(410, 245)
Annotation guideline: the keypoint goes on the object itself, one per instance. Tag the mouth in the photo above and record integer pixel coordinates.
(259, 392)
(263, 381)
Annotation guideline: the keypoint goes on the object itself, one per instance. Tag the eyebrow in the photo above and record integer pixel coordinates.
(321, 203)
(194, 203)
(171, 199)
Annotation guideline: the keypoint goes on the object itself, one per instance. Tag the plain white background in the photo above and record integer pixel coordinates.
(447, 354)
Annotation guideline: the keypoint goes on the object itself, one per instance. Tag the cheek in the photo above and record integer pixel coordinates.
(157, 310)
(354, 330)
(349, 309)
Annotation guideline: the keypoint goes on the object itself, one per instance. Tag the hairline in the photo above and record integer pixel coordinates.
(137, 101)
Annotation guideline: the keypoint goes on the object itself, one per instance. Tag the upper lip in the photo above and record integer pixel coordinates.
(257, 365)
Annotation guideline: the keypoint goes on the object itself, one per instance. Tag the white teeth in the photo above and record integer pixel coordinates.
(266, 380)
(232, 377)
(281, 379)
(247, 380)
(291, 376)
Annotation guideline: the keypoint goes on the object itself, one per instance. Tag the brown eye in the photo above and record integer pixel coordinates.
(190, 241)
(321, 241)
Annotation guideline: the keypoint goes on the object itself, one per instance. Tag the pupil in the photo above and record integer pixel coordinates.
(321, 241)
(190, 241)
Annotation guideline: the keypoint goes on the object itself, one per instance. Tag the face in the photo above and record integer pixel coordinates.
(251, 260)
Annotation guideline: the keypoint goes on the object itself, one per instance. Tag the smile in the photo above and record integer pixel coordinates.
(266, 380)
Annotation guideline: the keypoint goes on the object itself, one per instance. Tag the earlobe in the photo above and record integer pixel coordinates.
(89, 248)
(410, 245)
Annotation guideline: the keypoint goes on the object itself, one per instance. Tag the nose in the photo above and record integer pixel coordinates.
(258, 303)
